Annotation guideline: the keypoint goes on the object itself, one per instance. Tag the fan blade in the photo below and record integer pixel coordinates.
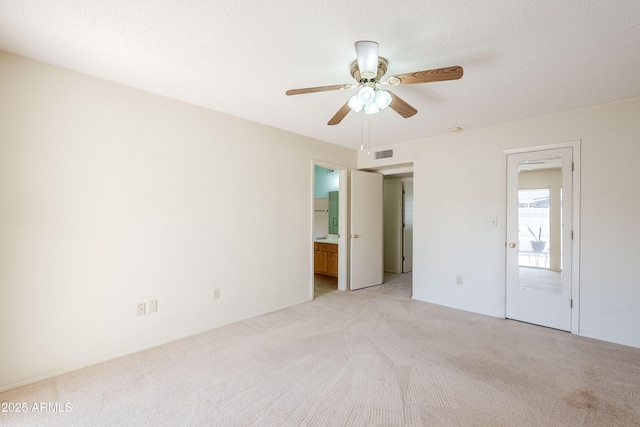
(401, 107)
(341, 114)
(437, 75)
(318, 89)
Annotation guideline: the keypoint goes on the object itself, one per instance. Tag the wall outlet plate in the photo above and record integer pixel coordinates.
(153, 306)
(141, 308)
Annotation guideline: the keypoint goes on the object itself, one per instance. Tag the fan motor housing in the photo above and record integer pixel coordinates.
(382, 69)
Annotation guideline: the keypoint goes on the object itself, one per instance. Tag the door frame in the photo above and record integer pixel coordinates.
(343, 227)
(575, 218)
(407, 248)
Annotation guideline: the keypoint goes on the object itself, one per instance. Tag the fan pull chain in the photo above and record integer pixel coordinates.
(362, 134)
(368, 135)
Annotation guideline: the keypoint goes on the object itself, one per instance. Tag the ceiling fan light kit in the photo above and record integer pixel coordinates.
(368, 70)
(383, 99)
(371, 108)
(366, 95)
(372, 104)
(355, 104)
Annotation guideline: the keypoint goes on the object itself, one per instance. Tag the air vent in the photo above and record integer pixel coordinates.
(386, 154)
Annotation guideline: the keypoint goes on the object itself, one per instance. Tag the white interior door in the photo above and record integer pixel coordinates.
(539, 224)
(366, 267)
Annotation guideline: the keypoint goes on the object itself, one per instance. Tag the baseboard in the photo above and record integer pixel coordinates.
(77, 367)
(500, 316)
(470, 310)
(600, 338)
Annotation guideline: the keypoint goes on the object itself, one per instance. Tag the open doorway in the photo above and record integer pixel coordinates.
(329, 228)
(398, 220)
(398, 223)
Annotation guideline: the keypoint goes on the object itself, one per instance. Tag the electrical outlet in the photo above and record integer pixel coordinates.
(141, 308)
(215, 294)
(459, 280)
(153, 306)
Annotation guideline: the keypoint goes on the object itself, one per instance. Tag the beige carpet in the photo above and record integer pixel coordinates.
(372, 357)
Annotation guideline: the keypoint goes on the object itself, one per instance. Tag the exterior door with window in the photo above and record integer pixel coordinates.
(539, 212)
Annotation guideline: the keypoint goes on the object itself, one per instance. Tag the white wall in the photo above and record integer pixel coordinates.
(111, 196)
(460, 181)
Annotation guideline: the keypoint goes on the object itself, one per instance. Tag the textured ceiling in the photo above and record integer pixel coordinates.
(520, 58)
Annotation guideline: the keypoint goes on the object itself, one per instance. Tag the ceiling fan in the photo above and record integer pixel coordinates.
(368, 70)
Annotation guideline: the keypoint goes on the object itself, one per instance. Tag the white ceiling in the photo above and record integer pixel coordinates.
(521, 58)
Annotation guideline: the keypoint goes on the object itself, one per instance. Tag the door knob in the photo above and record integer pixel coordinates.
(512, 244)
(354, 236)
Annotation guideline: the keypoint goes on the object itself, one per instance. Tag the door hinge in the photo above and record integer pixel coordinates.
(573, 166)
(571, 305)
(571, 234)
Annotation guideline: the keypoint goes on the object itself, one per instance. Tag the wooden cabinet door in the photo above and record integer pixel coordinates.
(332, 268)
(320, 262)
